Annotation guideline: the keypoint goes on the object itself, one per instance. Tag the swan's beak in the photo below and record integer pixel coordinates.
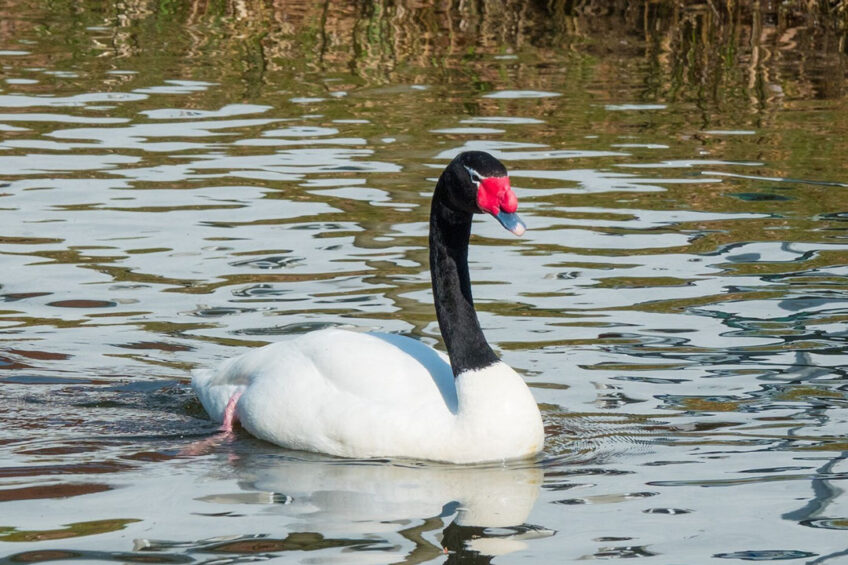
(511, 222)
(495, 196)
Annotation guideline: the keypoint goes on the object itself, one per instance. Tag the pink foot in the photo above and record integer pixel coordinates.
(230, 415)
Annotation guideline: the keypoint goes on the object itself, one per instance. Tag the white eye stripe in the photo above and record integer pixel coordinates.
(475, 176)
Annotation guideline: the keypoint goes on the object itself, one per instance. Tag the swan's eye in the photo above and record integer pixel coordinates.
(475, 176)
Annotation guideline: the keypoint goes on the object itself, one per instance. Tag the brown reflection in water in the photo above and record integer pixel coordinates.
(45, 555)
(77, 529)
(157, 345)
(61, 450)
(706, 52)
(80, 303)
(296, 541)
(40, 355)
(151, 456)
(93, 467)
(9, 363)
(92, 556)
(15, 296)
(51, 491)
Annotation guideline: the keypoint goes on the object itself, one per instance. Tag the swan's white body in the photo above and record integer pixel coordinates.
(374, 395)
(377, 395)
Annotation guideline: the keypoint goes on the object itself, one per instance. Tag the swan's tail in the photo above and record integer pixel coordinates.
(212, 395)
(200, 378)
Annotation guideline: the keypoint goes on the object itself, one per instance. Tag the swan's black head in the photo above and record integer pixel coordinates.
(476, 182)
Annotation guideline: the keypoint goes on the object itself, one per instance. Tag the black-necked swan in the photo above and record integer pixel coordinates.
(363, 395)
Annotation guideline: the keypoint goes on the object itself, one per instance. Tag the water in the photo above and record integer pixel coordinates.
(181, 182)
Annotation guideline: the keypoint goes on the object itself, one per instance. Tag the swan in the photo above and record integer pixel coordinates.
(365, 395)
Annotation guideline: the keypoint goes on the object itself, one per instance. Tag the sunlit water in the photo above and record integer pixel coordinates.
(678, 305)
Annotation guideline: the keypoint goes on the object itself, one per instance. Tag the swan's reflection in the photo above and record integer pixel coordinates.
(470, 513)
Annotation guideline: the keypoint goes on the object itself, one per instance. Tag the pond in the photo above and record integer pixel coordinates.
(180, 182)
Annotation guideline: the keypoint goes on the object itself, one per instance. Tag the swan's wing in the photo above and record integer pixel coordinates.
(435, 362)
(381, 367)
(375, 368)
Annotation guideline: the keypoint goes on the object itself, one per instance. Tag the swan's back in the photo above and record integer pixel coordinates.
(324, 389)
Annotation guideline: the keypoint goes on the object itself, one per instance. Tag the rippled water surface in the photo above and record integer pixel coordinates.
(179, 183)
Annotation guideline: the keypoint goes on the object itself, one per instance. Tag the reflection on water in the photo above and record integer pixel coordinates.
(180, 181)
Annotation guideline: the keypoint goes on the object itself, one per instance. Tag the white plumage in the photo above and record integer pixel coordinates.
(380, 395)
(374, 395)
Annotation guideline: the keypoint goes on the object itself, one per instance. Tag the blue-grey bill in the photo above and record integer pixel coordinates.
(511, 222)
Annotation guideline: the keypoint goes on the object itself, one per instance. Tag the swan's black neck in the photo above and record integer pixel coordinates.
(450, 231)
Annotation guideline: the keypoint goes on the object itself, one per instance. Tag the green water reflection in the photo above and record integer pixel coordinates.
(181, 180)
